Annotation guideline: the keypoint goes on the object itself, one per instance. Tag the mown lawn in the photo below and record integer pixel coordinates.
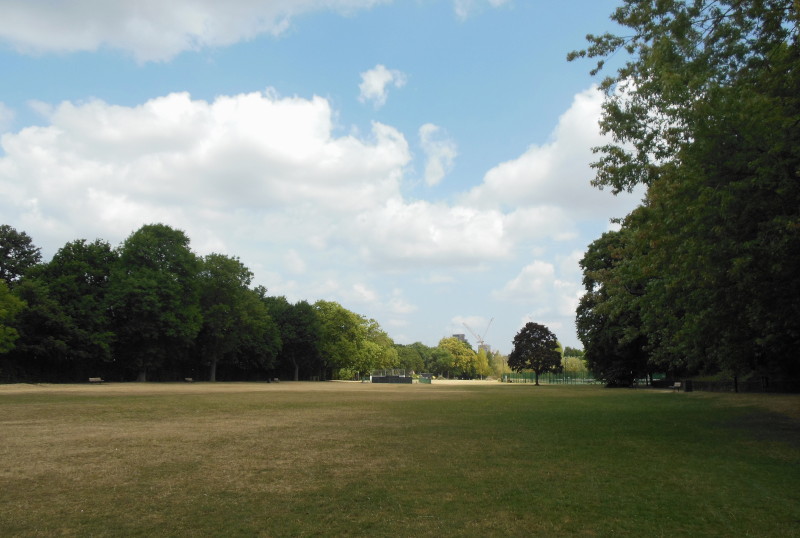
(332, 459)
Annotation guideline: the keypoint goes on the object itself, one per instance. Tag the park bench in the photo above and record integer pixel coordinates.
(676, 386)
(95, 380)
(188, 379)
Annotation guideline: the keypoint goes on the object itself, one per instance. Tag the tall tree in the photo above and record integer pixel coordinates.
(77, 278)
(342, 336)
(153, 298)
(9, 307)
(608, 320)
(300, 331)
(233, 317)
(706, 113)
(535, 349)
(17, 254)
(42, 352)
(462, 356)
(413, 357)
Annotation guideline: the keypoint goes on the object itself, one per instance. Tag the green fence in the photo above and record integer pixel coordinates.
(564, 378)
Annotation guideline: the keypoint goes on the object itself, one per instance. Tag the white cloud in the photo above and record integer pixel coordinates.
(151, 30)
(254, 169)
(403, 234)
(534, 281)
(314, 214)
(557, 173)
(465, 8)
(294, 262)
(6, 117)
(375, 83)
(363, 294)
(268, 166)
(540, 283)
(398, 304)
(440, 153)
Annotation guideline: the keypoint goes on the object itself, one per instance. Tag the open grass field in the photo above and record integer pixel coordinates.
(332, 459)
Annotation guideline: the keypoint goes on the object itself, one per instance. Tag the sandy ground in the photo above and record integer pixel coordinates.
(224, 387)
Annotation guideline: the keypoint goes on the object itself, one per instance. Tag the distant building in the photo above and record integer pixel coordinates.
(461, 337)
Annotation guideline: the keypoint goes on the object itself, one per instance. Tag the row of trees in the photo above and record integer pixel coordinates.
(704, 276)
(153, 309)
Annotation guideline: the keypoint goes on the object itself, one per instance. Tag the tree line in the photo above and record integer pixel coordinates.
(152, 309)
(704, 276)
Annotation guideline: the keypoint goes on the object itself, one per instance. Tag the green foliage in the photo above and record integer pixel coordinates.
(499, 364)
(352, 344)
(301, 331)
(706, 113)
(458, 359)
(77, 278)
(153, 295)
(607, 317)
(236, 327)
(152, 308)
(10, 306)
(414, 357)
(17, 254)
(42, 351)
(535, 349)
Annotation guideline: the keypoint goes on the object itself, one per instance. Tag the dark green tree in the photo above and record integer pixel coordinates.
(705, 114)
(153, 298)
(17, 254)
(10, 306)
(608, 321)
(259, 341)
(535, 349)
(77, 278)
(42, 352)
(300, 331)
(233, 318)
(413, 357)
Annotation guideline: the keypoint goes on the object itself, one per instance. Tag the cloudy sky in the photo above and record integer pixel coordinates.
(423, 162)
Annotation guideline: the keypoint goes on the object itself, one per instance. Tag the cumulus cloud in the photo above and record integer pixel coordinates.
(556, 173)
(553, 287)
(253, 159)
(398, 304)
(6, 117)
(313, 213)
(151, 30)
(255, 168)
(465, 8)
(375, 84)
(404, 234)
(440, 153)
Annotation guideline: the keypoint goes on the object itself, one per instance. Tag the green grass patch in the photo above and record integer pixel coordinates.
(332, 459)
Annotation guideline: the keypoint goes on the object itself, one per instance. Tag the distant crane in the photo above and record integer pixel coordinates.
(479, 338)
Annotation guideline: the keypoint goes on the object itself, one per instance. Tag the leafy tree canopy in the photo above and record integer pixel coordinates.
(535, 349)
(705, 112)
(17, 254)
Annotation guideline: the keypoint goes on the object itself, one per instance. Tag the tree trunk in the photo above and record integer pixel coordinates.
(536, 376)
(142, 377)
(212, 374)
(296, 372)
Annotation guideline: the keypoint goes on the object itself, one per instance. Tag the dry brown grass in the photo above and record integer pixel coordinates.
(287, 459)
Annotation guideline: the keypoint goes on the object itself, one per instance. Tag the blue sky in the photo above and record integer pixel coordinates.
(424, 163)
